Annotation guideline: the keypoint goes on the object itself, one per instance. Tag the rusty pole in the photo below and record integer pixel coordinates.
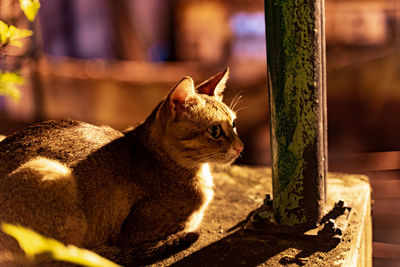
(297, 100)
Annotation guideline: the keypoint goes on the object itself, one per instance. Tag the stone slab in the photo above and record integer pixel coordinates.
(239, 190)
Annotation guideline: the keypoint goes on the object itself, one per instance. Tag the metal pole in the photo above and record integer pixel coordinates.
(297, 100)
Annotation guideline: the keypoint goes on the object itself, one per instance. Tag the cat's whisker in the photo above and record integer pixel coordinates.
(238, 104)
(215, 156)
(204, 156)
(240, 109)
(233, 101)
(236, 100)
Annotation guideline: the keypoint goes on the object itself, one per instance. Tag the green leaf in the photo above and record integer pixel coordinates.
(11, 35)
(34, 244)
(3, 32)
(30, 8)
(8, 82)
(15, 34)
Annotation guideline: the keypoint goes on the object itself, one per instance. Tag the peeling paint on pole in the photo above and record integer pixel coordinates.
(295, 58)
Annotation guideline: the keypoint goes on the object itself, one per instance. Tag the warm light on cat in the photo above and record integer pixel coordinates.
(127, 196)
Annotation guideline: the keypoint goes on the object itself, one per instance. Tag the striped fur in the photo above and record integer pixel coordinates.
(128, 196)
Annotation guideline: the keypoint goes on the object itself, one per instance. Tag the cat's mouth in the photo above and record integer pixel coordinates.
(234, 157)
(227, 158)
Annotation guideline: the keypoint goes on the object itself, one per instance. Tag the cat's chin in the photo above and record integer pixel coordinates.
(231, 162)
(225, 161)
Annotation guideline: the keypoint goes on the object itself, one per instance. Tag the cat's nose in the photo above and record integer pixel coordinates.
(238, 146)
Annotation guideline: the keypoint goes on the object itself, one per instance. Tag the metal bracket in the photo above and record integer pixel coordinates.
(331, 227)
(335, 222)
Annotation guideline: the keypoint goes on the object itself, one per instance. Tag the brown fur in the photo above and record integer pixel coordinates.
(127, 196)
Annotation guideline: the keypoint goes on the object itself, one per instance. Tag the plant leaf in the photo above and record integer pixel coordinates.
(3, 32)
(15, 34)
(34, 244)
(30, 8)
(11, 34)
(8, 82)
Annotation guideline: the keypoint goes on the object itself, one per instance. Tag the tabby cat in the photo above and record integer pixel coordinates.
(125, 195)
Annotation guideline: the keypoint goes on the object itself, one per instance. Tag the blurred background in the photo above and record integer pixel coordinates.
(110, 62)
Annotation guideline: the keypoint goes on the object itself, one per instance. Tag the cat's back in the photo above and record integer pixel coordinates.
(67, 141)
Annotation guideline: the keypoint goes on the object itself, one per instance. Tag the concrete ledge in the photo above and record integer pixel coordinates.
(240, 190)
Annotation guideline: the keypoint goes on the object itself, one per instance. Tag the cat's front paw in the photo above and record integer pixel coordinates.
(188, 239)
(182, 240)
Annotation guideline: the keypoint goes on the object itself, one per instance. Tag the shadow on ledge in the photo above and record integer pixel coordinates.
(240, 190)
(244, 248)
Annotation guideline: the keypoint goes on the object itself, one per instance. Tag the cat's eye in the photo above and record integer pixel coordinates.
(234, 124)
(215, 131)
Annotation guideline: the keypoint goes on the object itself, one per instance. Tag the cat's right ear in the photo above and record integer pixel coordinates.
(180, 95)
(215, 85)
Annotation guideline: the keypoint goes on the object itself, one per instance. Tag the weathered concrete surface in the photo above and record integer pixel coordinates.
(239, 190)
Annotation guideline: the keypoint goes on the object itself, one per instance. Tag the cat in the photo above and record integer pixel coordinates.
(125, 195)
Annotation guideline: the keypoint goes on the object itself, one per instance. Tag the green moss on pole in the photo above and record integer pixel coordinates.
(295, 59)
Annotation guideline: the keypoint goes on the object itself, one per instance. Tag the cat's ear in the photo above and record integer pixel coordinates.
(215, 85)
(182, 92)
